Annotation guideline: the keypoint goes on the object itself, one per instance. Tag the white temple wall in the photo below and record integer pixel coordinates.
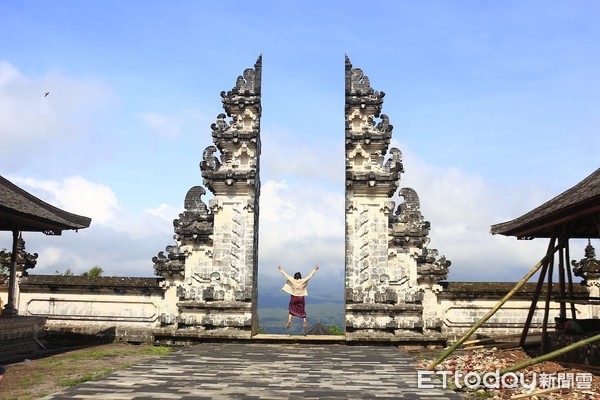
(128, 316)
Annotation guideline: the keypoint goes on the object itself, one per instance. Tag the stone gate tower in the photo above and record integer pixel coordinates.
(390, 274)
(210, 275)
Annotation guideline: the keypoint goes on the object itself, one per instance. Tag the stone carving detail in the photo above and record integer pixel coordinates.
(209, 161)
(195, 224)
(25, 260)
(170, 265)
(588, 268)
(238, 140)
(389, 269)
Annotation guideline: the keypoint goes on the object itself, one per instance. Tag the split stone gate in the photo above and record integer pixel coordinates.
(210, 274)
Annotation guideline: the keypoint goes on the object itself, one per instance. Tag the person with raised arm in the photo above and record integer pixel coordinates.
(296, 287)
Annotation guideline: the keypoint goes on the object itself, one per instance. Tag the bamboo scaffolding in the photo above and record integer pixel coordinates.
(536, 295)
(487, 316)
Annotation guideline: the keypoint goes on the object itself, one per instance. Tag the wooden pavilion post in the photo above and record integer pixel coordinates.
(536, 294)
(561, 282)
(570, 281)
(10, 310)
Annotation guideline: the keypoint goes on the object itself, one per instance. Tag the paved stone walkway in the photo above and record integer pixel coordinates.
(265, 371)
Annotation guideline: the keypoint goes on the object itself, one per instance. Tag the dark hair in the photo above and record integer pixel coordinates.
(297, 275)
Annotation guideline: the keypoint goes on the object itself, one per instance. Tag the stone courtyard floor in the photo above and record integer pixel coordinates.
(265, 371)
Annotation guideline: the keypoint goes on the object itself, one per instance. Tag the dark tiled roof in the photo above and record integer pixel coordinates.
(22, 211)
(579, 207)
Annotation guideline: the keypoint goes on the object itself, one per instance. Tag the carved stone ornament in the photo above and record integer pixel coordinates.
(195, 224)
(246, 91)
(25, 260)
(173, 264)
(237, 140)
(589, 267)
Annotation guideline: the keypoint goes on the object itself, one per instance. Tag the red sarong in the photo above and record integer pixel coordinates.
(296, 307)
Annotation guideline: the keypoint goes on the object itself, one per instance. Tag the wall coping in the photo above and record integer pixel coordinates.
(483, 290)
(112, 283)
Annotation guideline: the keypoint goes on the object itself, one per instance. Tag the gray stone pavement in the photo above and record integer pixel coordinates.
(265, 371)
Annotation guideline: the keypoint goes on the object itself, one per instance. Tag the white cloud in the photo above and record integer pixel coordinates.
(171, 126)
(77, 195)
(301, 225)
(461, 207)
(32, 121)
(287, 155)
(51, 255)
(122, 242)
(164, 211)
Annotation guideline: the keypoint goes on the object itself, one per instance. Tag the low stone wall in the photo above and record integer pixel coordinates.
(462, 304)
(101, 308)
(19, 335)
(131, 309)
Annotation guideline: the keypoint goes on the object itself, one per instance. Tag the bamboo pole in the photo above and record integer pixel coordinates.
(551, 355)
(10, 309)
(492, 338)
(487, 316)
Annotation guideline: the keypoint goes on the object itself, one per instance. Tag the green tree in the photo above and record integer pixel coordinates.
(94, 272)
(335, 330)
(68, 272)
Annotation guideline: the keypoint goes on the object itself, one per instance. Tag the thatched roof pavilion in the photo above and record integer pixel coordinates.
(573, 214)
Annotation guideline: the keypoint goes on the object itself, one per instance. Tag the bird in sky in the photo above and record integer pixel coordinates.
(47, 93)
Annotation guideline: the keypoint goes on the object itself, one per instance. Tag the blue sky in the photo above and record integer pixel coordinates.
(495, 106)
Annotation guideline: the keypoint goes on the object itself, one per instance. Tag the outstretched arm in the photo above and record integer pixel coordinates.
(315, 269)
(282, 271)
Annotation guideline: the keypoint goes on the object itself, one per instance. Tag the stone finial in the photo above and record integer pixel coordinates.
(408, 224)
(431, 269)
(367, 139)
(589, 267)
(246, 90)
(409, 230)
(210, 162)
(237, 140)
(172, 264)
(394, 163)
(195, 224)
(359, 91)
